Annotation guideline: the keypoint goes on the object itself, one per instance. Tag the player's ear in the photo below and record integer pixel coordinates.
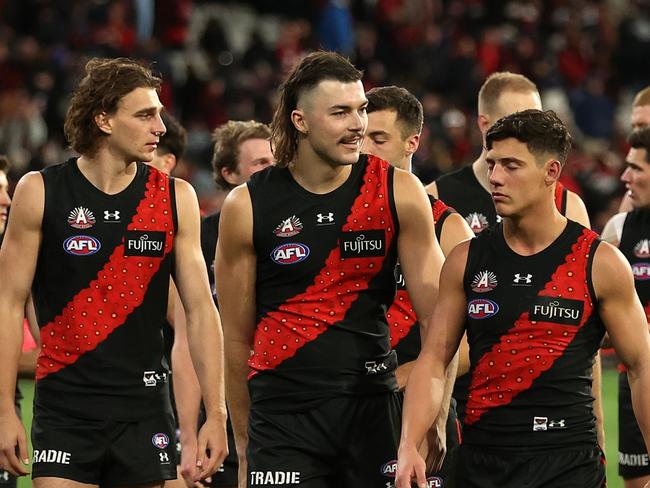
(553, 170)
(412, 143)
(103, 122)
(299, 122)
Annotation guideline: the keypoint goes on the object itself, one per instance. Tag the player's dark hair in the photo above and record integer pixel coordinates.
(4, 163)
(408, 109)
(542, 131)
(640, 139)
(227, 140)
(314, 68)
(105, 83)
(175, 138)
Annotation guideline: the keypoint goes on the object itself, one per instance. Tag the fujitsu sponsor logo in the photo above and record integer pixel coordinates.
(149, 243)
(641, 271)
(363, 244)
(557, 310)
(81, 245)
(290, 253)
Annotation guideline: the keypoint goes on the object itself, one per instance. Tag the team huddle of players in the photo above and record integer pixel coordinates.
(350, 298)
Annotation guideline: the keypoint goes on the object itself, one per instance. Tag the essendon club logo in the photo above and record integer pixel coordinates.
(481, 308)
(484, 281)
(642, 249)
(81, 245)
(477, 222)
(290, 253)
(288, 227)
(144, 243)
(557, 310)
(81, 218)
(363, 244)
(641, 271)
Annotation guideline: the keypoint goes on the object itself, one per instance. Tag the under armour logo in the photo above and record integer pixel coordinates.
(557, 424)
(112, 216)
(164, 457)
(325, 218)
(526, 279)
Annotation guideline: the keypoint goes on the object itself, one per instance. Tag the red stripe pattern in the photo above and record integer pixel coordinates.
(302, 318)
(119, 288)
(530, 348)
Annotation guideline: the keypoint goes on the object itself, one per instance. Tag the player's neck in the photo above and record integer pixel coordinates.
(106, 173)
(316, 175)
(480, 169)
(534, 230)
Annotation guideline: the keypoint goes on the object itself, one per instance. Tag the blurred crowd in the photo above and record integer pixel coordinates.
(223, 60)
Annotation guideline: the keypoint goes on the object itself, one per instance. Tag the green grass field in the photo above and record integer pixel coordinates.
(610, 387)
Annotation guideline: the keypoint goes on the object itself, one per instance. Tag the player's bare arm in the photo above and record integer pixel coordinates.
(204, 334)
(17, 265)
(454, 231)
(626, 325)
(424, 392)
(235, 269)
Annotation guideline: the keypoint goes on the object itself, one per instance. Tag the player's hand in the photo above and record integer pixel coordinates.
(187, 467)
(13, 445)
(434, 447)
(410, 467)
(212, 448)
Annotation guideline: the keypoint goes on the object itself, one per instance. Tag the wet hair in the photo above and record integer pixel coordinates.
(227, 140)
(640, 139)
(642, 98)
(498, 83)
(175, 138)
(542, 131)
(105, 83)
(408, 109)
(314, 68)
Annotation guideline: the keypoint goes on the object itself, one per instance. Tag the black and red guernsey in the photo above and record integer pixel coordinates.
(325, 278)
(404, 326)
(533, 328)
(100, 291)
(635, 245)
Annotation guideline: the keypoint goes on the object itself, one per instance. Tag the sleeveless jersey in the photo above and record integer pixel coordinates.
(560, 197)
(100, 291)
(533, 327)
(209, 234)
(404, 326)
(462, 190)
(635, 246)
(325, 278)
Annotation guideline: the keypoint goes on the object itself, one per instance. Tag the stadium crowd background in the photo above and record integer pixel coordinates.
(223, 60)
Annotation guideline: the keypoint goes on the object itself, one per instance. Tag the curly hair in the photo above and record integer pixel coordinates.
(314, 68)
(105, 83)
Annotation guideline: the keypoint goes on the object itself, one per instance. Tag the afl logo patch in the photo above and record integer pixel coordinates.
(81, 245)
(160, 440)
(434, 482)
(81, 218)
(641, 271)
(642, 249)
(482, 308)
(389, 469)
(290, 253)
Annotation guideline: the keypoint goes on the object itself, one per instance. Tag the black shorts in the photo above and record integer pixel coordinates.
(105, 452)
(633, 459)
(347, 442)
(480, 467)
